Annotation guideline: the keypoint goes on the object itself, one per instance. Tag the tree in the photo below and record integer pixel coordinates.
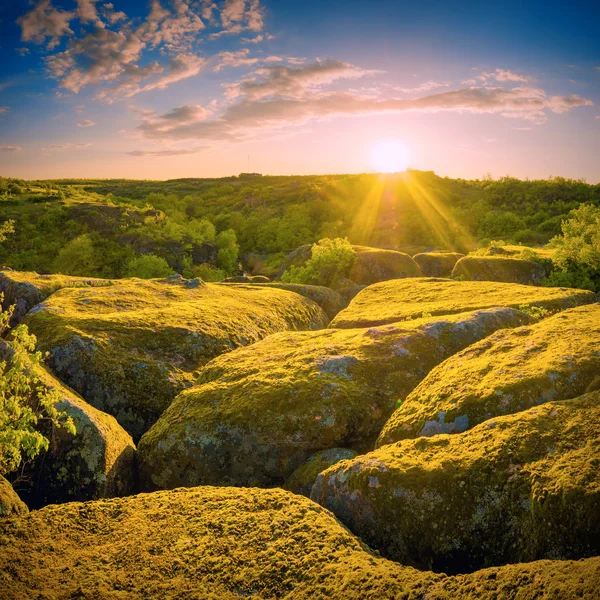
(78, 257)
(227, 256)
(148, 266)
(6, 228)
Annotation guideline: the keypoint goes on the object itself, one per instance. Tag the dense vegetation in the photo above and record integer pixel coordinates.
(102, 227)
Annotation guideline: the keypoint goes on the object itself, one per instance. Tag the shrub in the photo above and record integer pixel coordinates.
(148, 266)
(208, 273)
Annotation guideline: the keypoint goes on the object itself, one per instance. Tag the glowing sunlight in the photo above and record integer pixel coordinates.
(390, 156)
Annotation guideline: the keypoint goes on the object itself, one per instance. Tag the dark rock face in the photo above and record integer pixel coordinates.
(10, 503)
(437, 264)
(205, 253)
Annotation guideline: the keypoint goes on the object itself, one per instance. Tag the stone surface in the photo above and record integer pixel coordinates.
(437, 264)
(515, 488)
(10, 503)
(256, 414)
(499, 268)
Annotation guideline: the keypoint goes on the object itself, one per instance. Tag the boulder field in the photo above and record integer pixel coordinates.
(437, 264)
(516, 488)
(404, 299)
(512, 370)
(224, 543)
(131, 347)
(499, 268)
(256, 414)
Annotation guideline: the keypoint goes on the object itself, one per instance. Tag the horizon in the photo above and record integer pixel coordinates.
(175, 89)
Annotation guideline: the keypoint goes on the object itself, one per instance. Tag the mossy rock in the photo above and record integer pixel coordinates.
(10, 503)
(374, 264)
(516, 488)
(226, 543)
(26, 290)
(297, 258)
(555, 359)
(329, 300)
(258, 413)
(499, 268)
(259, 279)
(97, 462)
(130, 348)
(403, 299)
(437, 264)
(303, 478)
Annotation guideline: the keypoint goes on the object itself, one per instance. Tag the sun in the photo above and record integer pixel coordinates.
(390, 156)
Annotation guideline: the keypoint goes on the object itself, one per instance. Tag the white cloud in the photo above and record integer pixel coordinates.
(22, 51)
(86, 123)
(238, 58)
(166, 152)
(10, 148)
(3, 110)
(503, 75)
(86, 10)
(44, 22)
(427, 86)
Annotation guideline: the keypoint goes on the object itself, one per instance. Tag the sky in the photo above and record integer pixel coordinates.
(165, 89)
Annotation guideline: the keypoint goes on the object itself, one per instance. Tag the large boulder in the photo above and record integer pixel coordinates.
(374, 264)
(10, 503)
(256, 414)
(499, 268)
(516, 488)
(97, 462)
(26, 290)
(437, 264)
(555, 359)
(399, 300)
(329, 300)
(130, 348)
(226, 543)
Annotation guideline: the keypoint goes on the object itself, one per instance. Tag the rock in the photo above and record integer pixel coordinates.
(10, 503)
(555, 359)
(130, 348)
(437, 264)
(348, 293)
(374, 264)
(97, 462)
(303, 478)
(237, 279)
(257, 414)
(499, 268)
(297, 258)
(206, 252)
(26, 290)
(259, 279)
(517, 488)
(227, 543)
(399, 300)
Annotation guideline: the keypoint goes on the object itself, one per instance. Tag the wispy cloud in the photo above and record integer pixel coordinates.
(427, 86)
(10, 148)
(166, 152)
(86, 123)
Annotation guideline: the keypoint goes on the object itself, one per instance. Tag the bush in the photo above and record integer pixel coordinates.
(207, 272)
(330, 262)
(148, 266)
(78, 257)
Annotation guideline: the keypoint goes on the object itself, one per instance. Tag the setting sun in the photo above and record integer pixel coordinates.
(390, 156)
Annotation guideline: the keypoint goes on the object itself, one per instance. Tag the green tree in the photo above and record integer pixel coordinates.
(78, 257)
(227, 257)
(148, 266)
(6, 229)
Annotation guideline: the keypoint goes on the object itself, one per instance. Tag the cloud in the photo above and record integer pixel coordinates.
(250, 117)
(294, 82)
(86, 10)
(111, 15)
(3, 110)
(45, 22)
(167, 152)
(427, 86)
(503, 75)
(241, 58)
(86, 123)
(10, 148)
(255, 40)
(65, 146)
(233, 11)
(22, 51)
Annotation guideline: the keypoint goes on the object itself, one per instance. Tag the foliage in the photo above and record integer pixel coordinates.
(24, 401)
(148, 266)
(207, 272)
(6, 228)
(330, 262)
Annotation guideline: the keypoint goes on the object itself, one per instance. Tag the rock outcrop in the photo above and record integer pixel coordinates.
(512, 370)
(437, 264)
(517, 488)
(130, 348)
(226, 543)
(399, 300)
(10, 503)
(499, 268)
(258, 413)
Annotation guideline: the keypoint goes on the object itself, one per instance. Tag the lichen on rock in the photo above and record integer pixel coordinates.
(10, 503)
(499, 268)
(437, 264)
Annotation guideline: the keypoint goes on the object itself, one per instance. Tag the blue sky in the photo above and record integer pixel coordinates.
(178, 88)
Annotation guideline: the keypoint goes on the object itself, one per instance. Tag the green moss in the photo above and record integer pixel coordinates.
(258, 413)
(516, 488)
(499, 268)
(10, 503)
(375, 264)
(437, 264)
(225, 543)
(398, 300)
(128, 349)
(510, 371)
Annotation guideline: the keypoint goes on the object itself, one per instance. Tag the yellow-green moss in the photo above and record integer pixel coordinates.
(555, 359)
(10, 503)
(437, 264)
(516, 488)
(258, 413)
(128, 349)
(224, 543)
(375, 264)
(499, 268)
(398, 300)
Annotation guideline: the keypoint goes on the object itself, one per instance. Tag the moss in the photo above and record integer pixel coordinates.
(374, 264)
(302, 479)
(258, 413)
(128, 349)
(10, 503)
(26, 290)
(516, 488)
(398, 300)
(437, 264)
(499, 268)
(510, 371)
(225, 543)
